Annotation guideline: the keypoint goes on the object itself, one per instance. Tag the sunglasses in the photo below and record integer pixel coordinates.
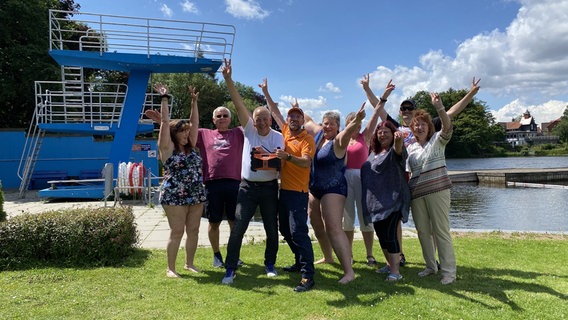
(180, 124)
(221, 116)
(406, 108)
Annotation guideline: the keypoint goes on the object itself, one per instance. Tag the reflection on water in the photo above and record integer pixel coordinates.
(519, 209)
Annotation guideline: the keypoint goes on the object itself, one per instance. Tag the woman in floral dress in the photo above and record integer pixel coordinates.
(183, 193)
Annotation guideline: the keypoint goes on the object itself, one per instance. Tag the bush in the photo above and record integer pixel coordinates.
(2, 212)
(88, 236)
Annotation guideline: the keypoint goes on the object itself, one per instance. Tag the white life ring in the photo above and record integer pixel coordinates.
(122, 177)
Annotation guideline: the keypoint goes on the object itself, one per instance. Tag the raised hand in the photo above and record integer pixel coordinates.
(388, 89)
(436, 101)
(161, 88)
(475, 85)
(263, 85)
(295, 103)
(227, 69)
(194, 93)
(361, 113)
(365, 81)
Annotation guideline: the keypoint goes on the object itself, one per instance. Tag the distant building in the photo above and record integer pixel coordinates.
(525, 131)
(547, 127)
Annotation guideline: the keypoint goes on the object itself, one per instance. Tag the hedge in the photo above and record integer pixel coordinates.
(86, 236)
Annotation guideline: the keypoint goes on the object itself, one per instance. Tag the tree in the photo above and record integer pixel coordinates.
(561, 130)
(24, 57)
(475, 129)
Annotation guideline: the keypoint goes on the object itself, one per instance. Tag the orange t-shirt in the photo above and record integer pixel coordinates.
(293, 177)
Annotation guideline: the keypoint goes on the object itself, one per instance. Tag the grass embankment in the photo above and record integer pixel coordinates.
(500, 276)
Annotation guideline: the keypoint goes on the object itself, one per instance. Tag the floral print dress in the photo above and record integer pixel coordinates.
(183, 180)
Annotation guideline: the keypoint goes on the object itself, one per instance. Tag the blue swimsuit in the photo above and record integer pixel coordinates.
(327, 174)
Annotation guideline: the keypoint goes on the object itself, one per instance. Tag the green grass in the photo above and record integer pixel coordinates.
(500, 276)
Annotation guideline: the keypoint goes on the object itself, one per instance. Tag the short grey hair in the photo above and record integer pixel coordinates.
(222, 108)
(333, 115)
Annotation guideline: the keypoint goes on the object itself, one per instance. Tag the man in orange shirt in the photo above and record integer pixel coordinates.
(299, 149)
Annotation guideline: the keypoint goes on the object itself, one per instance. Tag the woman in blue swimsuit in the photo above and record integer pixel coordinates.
(183, 193)
(328, 187)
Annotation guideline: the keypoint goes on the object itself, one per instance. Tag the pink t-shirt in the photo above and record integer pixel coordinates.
(357, 153)
(221, 152)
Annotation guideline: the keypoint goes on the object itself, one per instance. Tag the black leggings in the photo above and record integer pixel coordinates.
(386, 231)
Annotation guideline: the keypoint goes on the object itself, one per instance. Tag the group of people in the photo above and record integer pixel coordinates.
(326, 175)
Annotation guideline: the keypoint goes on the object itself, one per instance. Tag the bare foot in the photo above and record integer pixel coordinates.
(172, 274)
(191, 268)
(323, 260)
(347, 278)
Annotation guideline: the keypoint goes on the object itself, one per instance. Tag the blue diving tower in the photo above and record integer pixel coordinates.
(138, 46)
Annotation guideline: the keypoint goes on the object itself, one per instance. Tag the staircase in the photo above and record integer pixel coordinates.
(30, 153)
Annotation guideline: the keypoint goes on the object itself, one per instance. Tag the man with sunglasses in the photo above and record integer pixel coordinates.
(221, 150)
(408, 107)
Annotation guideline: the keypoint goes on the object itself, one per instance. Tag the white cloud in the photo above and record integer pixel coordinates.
(247, 9)
(546, 112)
(329, 87)
(188, 6)
(526, 64)
(166, 11)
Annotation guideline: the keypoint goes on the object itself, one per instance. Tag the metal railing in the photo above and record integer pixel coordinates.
(112, 33)
(100, 103)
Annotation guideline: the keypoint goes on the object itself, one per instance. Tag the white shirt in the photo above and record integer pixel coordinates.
(271, 141)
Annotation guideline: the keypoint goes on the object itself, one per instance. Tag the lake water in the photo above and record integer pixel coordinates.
(516, 209)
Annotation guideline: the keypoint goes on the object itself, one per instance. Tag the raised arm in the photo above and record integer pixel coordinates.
(378, 111)
(193, 117)
(242, 112)
(460, 105)
(373, 98)
(165, 143)
(310, 125)
(341, 141)
(272, 106)
(444, 118)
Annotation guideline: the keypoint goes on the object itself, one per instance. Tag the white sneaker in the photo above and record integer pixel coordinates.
(229, 276)
(217, 263)
(271, 271)
(426, 272)
(447, 280)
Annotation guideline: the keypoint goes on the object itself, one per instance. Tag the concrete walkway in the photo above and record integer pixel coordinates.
(151, 221)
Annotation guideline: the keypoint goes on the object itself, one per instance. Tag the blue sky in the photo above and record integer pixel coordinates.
(317, 51)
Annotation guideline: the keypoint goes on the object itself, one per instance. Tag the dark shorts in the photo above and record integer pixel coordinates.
(221, 199)
(339, 189)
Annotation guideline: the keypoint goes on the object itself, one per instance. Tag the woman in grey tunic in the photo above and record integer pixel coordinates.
(386, 196)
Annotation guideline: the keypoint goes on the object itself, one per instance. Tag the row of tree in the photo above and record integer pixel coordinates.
(24, 59)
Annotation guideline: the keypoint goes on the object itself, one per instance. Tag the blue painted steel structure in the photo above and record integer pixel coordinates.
(138, 46)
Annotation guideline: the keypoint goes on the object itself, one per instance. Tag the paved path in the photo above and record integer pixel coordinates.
(151, 221)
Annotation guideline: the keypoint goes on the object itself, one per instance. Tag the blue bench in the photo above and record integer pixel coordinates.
(40, 178)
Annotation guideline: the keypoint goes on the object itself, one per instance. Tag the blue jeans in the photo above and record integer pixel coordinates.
(252, 195)
(293, 217)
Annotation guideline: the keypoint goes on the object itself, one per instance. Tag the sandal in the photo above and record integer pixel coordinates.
(385, 269)
(371, 261)
(394, 277)
(402, 260)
